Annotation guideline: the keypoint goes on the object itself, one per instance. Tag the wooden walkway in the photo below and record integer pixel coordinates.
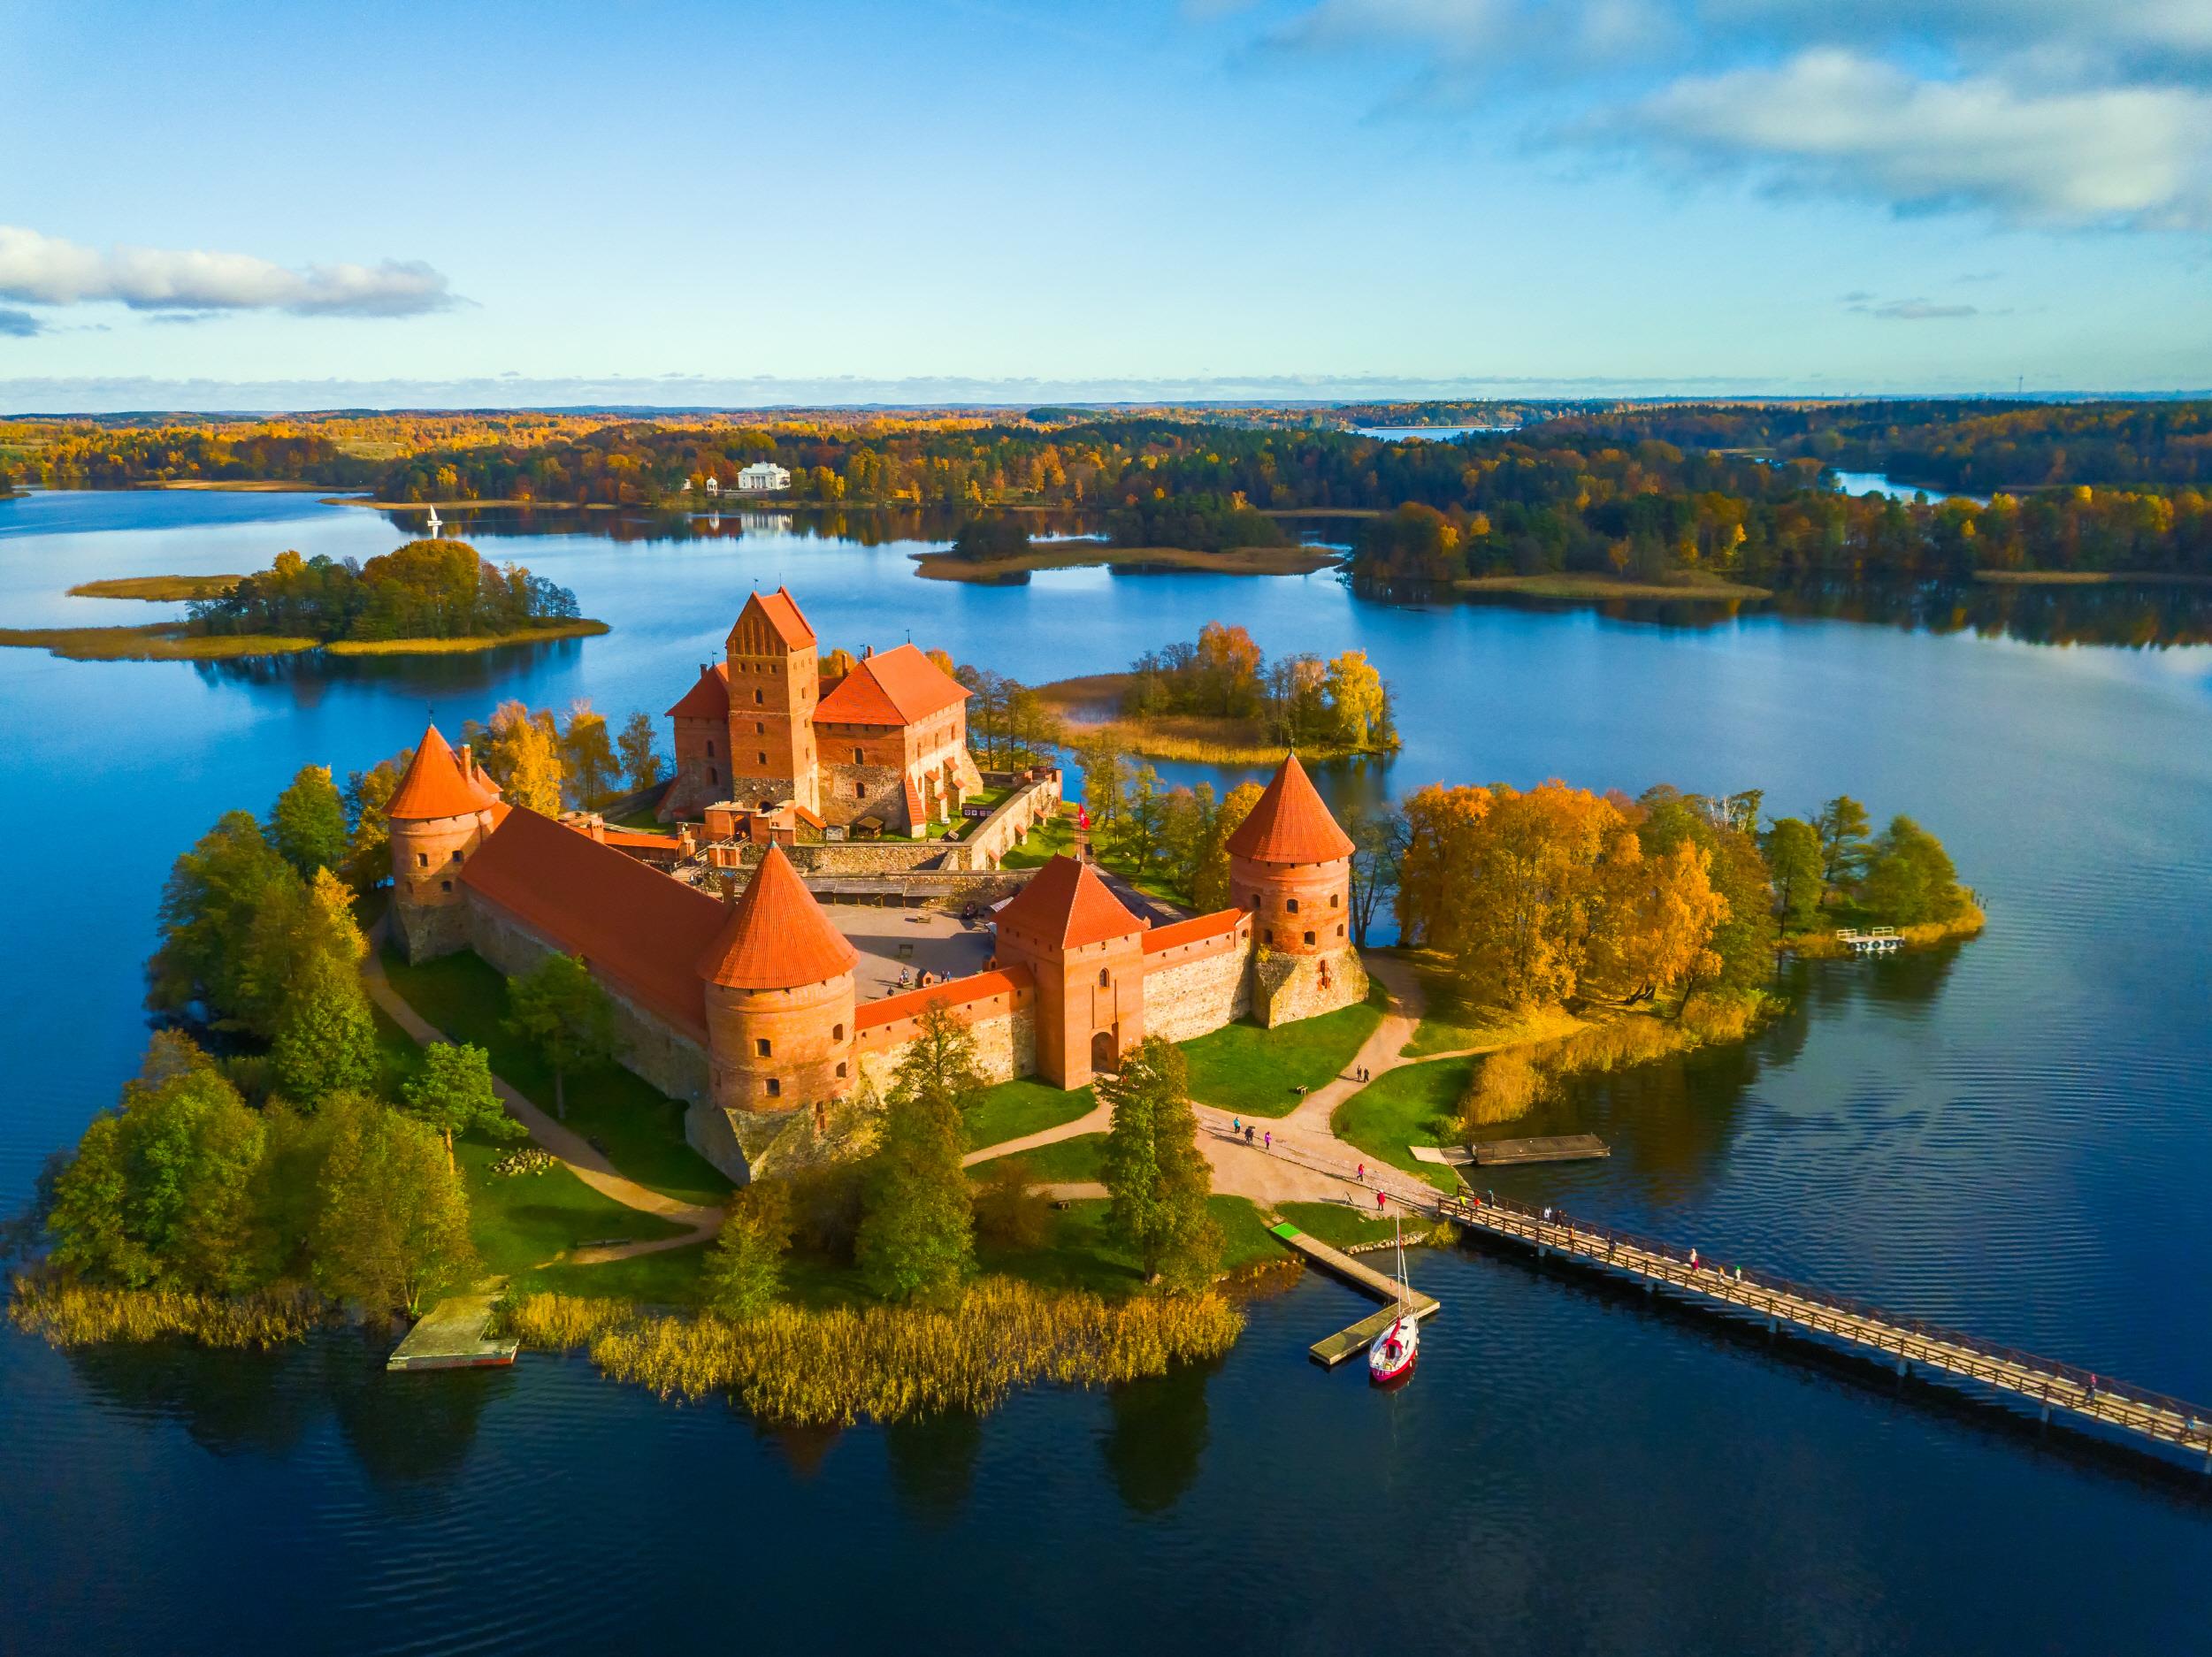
(1345, 1343)
(451, 1337)
(1498, 1153)
(2041, 1383)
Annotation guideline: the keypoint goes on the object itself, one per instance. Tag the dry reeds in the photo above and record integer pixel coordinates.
(837, 1367)
(75, 1315)
(1513, 1081)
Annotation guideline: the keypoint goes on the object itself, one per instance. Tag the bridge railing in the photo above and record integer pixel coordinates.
(2192, 1424)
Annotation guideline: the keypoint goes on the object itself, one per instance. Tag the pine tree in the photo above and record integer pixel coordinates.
(745, 1265)
(916, 1238)
(1155, 1173)
(307, 825)
(327, 1040)
(453, 1092)
(1842, 825)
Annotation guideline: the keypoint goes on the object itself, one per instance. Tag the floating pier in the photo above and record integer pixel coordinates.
(2044, 1385)
(1350, 1343)
(1873, 940)
(1498, 1153)
(450, 1336)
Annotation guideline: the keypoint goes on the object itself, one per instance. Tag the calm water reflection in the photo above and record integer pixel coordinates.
(2007, 1135)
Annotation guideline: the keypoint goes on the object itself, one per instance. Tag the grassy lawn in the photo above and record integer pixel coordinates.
(639, 1128)
(1453, 1022)
(1337, 1223)
(1058, 837)
(1242, 1067)
(520, 1219)
(1065, 1163)
(670, 1278)
(1024, 1106)
(1077, 1254)
(1412, 1105)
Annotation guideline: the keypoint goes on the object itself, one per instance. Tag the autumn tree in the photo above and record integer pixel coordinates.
(1653, 918)
(1209, 874)
(1794, 861)
(521, 751)
(393, 1224)
(453, 1092)
(642, 765)
(307, 825)
(1360, 704)
(368, 833)
(558, 1007)
(744, 1271)
(1909, 878)
(1155, 1175)
(587, 755)
(916, 1239)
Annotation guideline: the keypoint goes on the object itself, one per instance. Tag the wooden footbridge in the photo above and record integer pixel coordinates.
(2043, 1384)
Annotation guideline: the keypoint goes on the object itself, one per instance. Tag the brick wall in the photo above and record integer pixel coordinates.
(1195, 989)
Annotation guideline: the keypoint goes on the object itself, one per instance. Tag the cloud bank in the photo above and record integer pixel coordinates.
(2044, 114)
(42, 269)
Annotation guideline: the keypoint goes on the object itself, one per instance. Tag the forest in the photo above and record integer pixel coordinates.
(423, 590)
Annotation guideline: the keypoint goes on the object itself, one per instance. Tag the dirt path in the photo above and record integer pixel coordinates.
(566, 1144)
(1378, 1054)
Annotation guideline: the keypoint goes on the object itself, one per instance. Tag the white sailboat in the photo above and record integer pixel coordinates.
(1392, 1355)
(433, 526)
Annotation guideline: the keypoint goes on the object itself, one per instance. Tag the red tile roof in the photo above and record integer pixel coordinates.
(709, 698)
(777, 937)
(636, 928)
(1066, 903)
(1013, 981)
(899, 687)
(1197, 930)
(1290, 824)
(436, 785)
(782, 612)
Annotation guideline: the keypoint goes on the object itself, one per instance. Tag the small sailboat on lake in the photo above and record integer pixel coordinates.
(1391, 1357)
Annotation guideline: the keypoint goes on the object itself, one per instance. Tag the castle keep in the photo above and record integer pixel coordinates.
(744, 1006)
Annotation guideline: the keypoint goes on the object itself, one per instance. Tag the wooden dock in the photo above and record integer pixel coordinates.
(450, 1336)
(1348, 1343)
(1498, 1153)
(2145, 1418)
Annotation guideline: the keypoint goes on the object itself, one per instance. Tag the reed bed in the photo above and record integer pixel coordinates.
(835, 1368)
(1825, 946)
(1510, 1083)
(75, 1315)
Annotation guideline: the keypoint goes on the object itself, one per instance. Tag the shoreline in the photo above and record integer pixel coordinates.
(1246, 561)
(1172, 736)
(167, 641)
(1594, 588)
(2091, 578)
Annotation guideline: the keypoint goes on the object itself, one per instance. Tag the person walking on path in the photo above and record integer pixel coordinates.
(1271, 1142)
(1362, 1174)
(1380, 1197)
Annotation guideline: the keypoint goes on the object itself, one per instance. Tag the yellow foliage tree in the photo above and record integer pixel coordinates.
(1356, 694)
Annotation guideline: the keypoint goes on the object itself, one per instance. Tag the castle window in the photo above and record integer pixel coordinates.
(1340, 928)
(760, 1046)
(857, 758)
(456, 856)
(760, 728)
(1292, 906)
(760, 696)
(445, 886)
(836, 1034)
(1332, 903)
(1106, 978)
(713, 775)
(1255, 903)
(840, 1070)
(422, 859)
(1308, 937)
(763, 759)
(775, 1088)
(710, 747)
(1271, 935)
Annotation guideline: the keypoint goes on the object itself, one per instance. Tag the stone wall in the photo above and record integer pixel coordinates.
(1195, 989)
(1005, 1046)
(670, 1059)
(1288, 987)
(428, 930)
(857, 859)
(987, 844)
(881, 792)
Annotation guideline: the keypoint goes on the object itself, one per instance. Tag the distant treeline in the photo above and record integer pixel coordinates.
(423, 589)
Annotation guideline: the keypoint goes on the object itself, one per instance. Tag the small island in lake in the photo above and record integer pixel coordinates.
(427, 596)
(994, 549)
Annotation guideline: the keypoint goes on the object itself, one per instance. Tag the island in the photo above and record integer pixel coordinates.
(796, 1141)
(425, 597)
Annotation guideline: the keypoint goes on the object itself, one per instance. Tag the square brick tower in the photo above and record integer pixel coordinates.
(774, 680)
(1087, 954)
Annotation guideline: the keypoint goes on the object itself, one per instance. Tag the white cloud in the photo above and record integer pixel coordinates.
(1908, 310)
(41, 270)
(1831, 120)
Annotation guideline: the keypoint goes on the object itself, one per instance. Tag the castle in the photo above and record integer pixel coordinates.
(744, 1006)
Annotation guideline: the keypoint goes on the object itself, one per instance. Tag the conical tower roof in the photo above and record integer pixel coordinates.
(437, 785)
(1066, 903)
(1290, 824)
(777, 937)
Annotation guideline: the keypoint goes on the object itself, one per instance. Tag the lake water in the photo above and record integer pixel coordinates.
(2010, 1135)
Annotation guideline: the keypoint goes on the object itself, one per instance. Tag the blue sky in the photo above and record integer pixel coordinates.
(302, 205)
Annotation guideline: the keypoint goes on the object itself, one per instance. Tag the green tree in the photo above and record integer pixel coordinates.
(1155, 1173)
(326, 1042)
(1909, 878)
(916, 1238)
(558, 1006)
(453, 1092)
(1795, 860)
(160, 1191)
(1377, 847)
(587, 755)
(642, 762)
(743, 1272)
(307, 825)
(209, 907)
(369, 846)
(1842, 825)
(393, 1224)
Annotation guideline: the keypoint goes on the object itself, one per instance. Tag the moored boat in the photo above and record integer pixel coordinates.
(1393, 1354)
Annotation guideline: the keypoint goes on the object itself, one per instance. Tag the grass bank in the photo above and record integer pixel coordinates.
(639, 1128)
(168, 641)
(581, 629)
(1025, 1105)
(1414, 1104)
(1017, 569)
(2090, 578)
(1690, 584)
(840, 1366)
(1090, 705)
(1453, 1023)
(1245, 1068)
(168, 588)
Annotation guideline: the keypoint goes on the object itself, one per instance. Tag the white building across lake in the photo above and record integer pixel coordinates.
(763, 476)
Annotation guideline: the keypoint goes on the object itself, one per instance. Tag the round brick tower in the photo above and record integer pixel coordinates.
(439, 814)
(1289, 868)
(779, 998)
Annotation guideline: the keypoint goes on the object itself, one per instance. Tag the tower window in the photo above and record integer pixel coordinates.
(1255, 903)
(457, 854)
(1308, 937)
(760, 1046)
(760, 696)
(760, 728)
(1292, 906)
(762, 759)
(422, 859)
(1106, 978)
(710, 747)
(1332, 900)
(840, 1070)
(857, 758)
(1340, 928)
(775, 1088)
(445, 886)
(1271, 934)
(713, 775)
(836, 1034)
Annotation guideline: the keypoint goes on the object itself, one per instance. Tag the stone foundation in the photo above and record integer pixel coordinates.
(429, 930)
(1288, 987)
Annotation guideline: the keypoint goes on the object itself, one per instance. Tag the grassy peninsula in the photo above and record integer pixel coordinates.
(168, 589)
(1078, 554)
